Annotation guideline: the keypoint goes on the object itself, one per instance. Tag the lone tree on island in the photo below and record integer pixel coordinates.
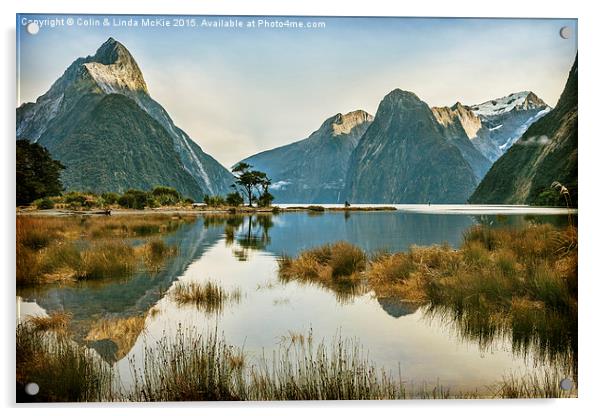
(253, 182)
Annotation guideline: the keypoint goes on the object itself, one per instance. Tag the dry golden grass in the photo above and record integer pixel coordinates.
(338, 265)
(55, 321)
(74, 248)
(517, 281)
(209, 296)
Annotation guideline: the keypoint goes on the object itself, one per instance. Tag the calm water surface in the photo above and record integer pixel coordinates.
(241, 252)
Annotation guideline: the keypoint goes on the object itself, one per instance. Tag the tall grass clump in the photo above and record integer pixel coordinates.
(191, 368)
(56, 321)
(537, 385)
(302, 371)
(64, 371)
(208, 296)
(110, 259)
(78, 248)
(337, 266)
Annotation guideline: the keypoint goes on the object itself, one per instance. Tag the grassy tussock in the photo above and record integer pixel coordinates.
(340, 371)
(516, 282)
(71, 248)
(192, 368)
(65, 371)
(208, 296)
(337, 266)
(57, 321)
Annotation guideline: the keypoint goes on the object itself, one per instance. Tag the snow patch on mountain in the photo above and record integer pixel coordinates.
(523, 128)
(524, 100)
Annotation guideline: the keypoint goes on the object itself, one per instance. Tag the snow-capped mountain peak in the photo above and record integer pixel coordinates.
(524, 100)
(114, 69)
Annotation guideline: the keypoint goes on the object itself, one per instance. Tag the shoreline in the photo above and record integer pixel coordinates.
(445, 209)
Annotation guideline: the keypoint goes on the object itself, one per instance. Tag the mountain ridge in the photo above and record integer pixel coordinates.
(313, 169)
(113, 70)
(403, 157)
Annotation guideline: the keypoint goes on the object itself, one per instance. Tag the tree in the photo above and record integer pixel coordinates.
(38, 174)
(251, 182)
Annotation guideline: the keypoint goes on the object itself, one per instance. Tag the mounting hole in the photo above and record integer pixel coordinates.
(32, 28)
(32, 389)
(565, 32)
(566, 384)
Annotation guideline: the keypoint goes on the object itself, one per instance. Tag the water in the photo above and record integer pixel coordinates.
(241, 252)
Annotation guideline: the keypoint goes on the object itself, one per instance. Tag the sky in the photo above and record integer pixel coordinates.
(241, 90)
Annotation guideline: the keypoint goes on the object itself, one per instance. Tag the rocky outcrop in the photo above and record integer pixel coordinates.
(458, 122)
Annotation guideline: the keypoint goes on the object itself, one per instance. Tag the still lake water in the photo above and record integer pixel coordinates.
(241, 252)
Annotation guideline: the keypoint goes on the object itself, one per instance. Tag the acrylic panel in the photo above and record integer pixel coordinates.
(295, 208)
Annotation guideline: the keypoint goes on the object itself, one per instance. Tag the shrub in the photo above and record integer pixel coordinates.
(234, 199)
(265, 199)
(214, 201)
(74, 199)
(110, 198)
(165, 195)
(44, 203)
(134, 199)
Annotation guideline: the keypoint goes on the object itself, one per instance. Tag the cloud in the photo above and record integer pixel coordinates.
(542, 140)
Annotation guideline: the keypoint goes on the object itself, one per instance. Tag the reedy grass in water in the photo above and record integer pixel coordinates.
(56, 321)
(71, 248)
(64, 370)
(202, 367)
(336, 266)
(520, 283)
(208, 296)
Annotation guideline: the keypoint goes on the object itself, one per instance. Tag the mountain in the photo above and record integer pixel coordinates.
(545, 153)
(503, 120)
(313, 170)
(458, 122)
(100, 121)
(405, 157)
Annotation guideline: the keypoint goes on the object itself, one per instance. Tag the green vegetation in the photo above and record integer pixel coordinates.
(131, 199)
(44, 203)
(38, 175)
(255, 184)
(80, 248)
(209, 296)
(234, 199)
(516, 282)
(214, 201)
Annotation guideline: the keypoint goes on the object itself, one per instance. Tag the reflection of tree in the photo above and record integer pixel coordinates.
(254, 235)
(250, 232)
